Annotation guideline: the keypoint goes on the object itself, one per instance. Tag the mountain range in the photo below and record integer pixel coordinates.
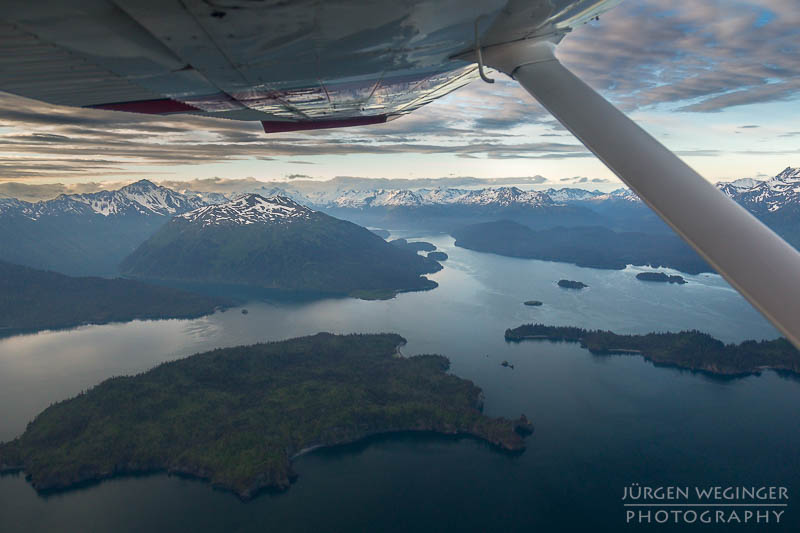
(87, 234)
(33, 299)
(276, 243)
(90, 234)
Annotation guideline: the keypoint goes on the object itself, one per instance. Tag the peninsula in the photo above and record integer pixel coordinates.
(592, 246)
(237, 416)
(33, 300)
(691, 350)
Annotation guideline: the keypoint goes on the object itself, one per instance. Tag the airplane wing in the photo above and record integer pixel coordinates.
(299, 64)
(307, 64)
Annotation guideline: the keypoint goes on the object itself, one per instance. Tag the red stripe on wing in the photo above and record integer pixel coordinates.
(275, 126)
(162, 106)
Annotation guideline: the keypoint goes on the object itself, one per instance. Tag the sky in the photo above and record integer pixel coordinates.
(717, 81)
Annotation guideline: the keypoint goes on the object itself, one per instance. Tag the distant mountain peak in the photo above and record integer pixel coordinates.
(770, 196)
(788, 174)
(622, 193)
(488, 197)
(250, 209)
(141, 186)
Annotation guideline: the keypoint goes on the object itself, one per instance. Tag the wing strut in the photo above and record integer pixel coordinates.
(758, 263)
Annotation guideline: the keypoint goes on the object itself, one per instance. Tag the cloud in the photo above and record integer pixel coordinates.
(691, 56)
(705, 56)
(46, 141)
(34, 192)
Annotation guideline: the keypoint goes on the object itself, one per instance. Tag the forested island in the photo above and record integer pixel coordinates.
(570, 284)
(533, 303)
(414, 246)
(660, 277)
(32, 300)
(237, 416)
(437, 256)
(590, 246)
(688, 349)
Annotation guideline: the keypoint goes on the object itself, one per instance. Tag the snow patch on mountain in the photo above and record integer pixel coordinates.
(568, 194)
(623, 194)
(249, 209)
(497, 197)
(773, 195)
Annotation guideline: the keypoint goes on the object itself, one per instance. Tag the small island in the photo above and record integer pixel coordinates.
(416, 246)
(691, 350)
(661, 277)
(569, 284)
(437, 256)
(533, 303)
(238, 416)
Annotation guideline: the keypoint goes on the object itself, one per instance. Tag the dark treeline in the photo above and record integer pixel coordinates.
(33, 299)
(688, 349)
(594, 247)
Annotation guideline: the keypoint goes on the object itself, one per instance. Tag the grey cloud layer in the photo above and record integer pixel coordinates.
(706, 55)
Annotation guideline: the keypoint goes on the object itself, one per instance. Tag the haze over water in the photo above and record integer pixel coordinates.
(601, 423)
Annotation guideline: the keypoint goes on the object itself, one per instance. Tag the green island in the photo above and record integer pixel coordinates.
(33, 300)
(237, 416)
(414, 246)
(691, 350)
(661, 277)
(437, 256)
(569, 284)
(533, 303)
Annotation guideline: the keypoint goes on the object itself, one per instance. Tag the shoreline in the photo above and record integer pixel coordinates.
(264, 485)
(717, 361)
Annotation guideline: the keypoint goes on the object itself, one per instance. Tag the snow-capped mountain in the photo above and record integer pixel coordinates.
(623, 194)
(770, 196)
(732, 188)
(249, 209)
(569, 194)
(141, 198)
(8, 205)
(209, 198)
(489, 197)
(506, 197)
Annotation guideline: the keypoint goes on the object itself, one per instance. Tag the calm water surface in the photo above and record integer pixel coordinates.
(602, 423)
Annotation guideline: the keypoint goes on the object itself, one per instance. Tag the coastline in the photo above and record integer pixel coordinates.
(265, 482)
(688, 350)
